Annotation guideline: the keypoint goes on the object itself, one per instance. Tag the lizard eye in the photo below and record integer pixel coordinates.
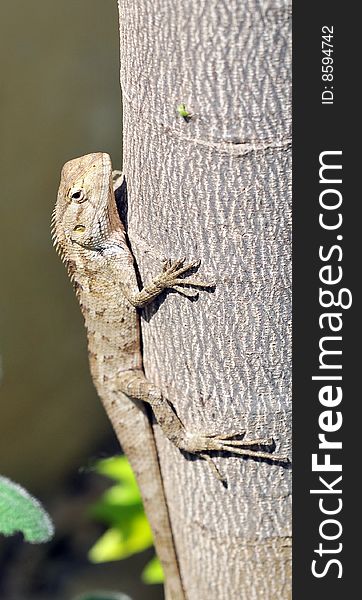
(79, 228)
(77, 194)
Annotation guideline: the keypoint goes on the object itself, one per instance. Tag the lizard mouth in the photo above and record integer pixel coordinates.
(87, 245)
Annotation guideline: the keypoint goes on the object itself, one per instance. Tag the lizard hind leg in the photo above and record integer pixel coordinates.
(228, 443)
(134, 384)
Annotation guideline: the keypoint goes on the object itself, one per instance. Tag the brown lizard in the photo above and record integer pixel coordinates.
(92, 241)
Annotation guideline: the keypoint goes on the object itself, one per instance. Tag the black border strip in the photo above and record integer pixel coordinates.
(318, 128)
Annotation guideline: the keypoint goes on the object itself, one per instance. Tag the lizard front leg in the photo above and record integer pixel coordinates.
(170, 277)
(134, 384)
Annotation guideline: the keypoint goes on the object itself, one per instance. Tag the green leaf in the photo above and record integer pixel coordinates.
(123, 494)
(19, 511)
(102, 595)
(119, 469)
(121, 507)
(122, 503)
(116, 543)
(153, 573)
(116, 467)
(115, 514)
(182, 111)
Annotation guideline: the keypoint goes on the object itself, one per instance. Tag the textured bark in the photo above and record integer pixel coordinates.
(217, 188)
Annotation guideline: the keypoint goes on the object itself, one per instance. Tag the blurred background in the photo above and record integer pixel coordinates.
(59, 98)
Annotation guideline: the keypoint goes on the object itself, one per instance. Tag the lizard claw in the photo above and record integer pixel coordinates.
(176, 265)
(185, 291)
(166, 264)
(198, 444)
(173, 270)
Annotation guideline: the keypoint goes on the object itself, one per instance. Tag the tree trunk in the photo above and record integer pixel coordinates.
(216, 186)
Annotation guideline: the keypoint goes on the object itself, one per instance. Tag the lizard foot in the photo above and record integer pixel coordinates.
(201, 444)
(171, 276)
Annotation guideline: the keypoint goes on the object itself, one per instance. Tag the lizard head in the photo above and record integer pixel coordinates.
(85, 213)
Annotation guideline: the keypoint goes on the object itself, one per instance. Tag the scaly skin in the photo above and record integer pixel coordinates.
(92, 242)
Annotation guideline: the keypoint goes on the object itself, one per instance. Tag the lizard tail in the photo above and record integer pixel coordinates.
(131, 424)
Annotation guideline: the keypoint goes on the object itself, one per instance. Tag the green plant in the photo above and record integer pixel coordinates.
(183, 112)
(102, 595)
(19, 511)
(122, 510)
